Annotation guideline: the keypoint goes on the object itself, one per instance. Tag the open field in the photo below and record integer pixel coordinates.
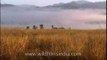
(15, 43)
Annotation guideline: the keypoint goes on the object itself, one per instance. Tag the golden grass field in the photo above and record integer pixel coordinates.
(16, 42)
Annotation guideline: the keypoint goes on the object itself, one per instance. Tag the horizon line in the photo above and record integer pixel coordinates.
(49, 4)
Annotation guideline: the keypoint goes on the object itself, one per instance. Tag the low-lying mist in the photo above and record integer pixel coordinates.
(68, 18)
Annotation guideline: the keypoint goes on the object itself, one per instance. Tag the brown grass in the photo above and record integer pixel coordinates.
(16, 42)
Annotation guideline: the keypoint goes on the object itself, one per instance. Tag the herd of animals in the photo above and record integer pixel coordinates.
(42, 27)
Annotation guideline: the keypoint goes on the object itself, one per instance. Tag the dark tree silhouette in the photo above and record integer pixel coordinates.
(34, 27)
(52, 27)
(27, 27)
(41, 26)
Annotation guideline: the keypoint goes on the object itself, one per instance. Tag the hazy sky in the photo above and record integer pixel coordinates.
(39, 2)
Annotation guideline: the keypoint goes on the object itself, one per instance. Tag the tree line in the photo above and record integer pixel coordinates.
(41, 26)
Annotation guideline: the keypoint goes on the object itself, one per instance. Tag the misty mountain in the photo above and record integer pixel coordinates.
(70, 5)
(80, 5)
(12, 7)
(6, 5)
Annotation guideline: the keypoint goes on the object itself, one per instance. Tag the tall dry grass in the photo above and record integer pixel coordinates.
(16, 42)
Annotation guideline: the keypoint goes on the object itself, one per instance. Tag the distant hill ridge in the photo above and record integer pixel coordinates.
(6, 5)
(70, 5)
(79, 4)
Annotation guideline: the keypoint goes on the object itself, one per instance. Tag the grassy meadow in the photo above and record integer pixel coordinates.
(15, 43)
